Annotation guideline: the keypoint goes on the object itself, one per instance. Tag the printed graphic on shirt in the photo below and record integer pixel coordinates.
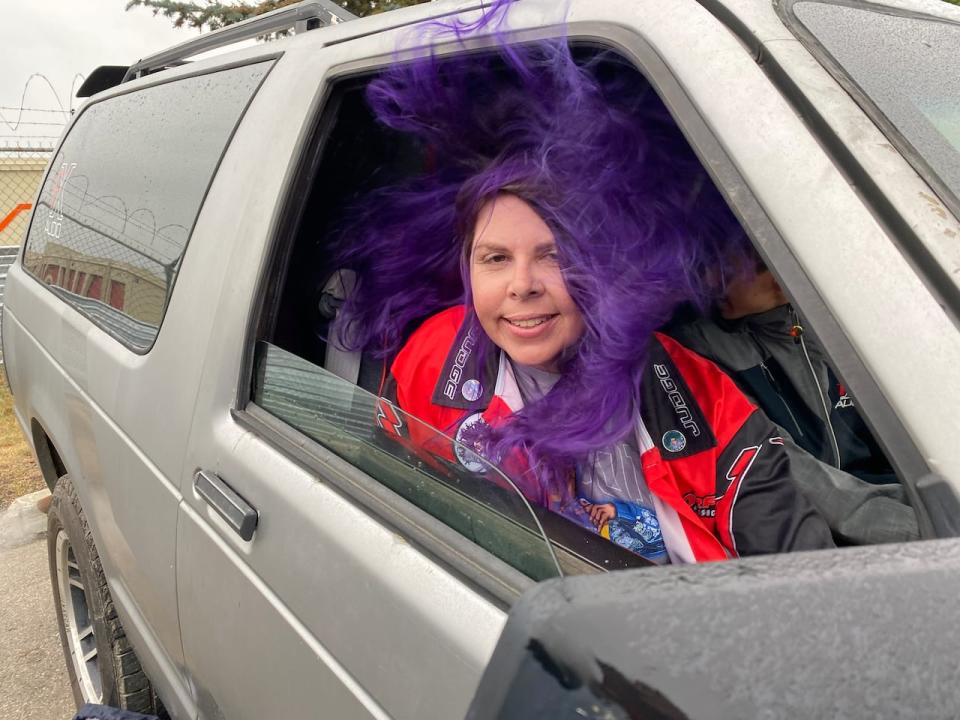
(669, 409)
(471, 390)
(468, 436)
(845, 400)
(754, 449)
(389, 418)
(674, 441)
(702, 505)
(613, 474)
(614, 477)
(741, 465)
(641, 535)
(466, 383)
(677, 399)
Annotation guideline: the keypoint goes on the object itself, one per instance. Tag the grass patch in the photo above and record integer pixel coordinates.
(19, 474)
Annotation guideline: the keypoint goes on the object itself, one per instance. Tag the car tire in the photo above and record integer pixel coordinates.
(102, 665)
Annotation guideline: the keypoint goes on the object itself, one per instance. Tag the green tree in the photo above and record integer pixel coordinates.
(214, 15)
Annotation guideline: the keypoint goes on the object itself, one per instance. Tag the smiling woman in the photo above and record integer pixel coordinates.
(519, 294)
(559, 222)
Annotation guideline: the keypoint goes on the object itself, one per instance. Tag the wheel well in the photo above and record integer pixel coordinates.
(51, 466)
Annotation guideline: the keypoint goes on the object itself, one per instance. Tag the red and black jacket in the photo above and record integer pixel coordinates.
(714, 463)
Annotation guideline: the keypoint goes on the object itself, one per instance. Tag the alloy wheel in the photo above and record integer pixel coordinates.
(77, 622)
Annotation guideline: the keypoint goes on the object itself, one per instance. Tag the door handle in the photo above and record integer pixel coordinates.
(236, 511)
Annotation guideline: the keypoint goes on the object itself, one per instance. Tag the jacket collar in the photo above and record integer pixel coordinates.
(775, 322)
(465, 382)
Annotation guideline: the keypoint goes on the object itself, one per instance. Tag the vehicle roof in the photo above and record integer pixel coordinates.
(754, 13)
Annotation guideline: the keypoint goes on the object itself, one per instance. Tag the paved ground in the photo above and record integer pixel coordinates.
(33, 677)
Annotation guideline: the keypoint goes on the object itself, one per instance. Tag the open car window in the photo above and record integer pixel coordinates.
(483, 505)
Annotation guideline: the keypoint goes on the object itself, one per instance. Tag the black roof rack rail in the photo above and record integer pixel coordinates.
(306, 15)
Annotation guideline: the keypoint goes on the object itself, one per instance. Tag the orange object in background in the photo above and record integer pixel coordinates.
(13, 213)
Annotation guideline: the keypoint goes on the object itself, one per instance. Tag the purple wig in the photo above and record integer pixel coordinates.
(590, 146)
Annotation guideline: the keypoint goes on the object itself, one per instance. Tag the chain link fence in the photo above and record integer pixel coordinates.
(22, 164)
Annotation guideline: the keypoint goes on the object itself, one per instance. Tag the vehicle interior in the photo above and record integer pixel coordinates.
(351, 154)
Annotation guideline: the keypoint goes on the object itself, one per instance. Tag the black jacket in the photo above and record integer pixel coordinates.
(786, 374)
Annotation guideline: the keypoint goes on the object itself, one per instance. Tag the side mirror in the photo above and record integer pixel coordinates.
(855, 632)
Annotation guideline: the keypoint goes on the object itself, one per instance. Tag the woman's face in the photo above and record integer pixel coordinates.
(519, 294)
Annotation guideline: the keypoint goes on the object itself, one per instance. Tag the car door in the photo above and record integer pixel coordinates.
(319, 571)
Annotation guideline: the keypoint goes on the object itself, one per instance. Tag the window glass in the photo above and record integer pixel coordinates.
(908, 66)
(482, 506)
(118, 205)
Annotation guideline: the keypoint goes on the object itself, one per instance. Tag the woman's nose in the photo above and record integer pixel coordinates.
(525, 281)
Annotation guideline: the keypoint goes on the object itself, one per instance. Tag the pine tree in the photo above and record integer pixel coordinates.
(213, 15)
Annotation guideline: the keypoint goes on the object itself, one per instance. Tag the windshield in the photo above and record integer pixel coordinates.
(905, 64)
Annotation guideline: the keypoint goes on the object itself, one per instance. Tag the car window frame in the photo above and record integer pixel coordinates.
(574, 554)
(905, 456)
(785, 9)
(120, 91)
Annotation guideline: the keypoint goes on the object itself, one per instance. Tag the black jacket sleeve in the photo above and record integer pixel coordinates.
(762, 509)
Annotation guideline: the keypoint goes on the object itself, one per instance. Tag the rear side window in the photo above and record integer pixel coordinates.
(123, 192)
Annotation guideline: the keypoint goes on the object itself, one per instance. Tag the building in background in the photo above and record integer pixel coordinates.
(21, 170)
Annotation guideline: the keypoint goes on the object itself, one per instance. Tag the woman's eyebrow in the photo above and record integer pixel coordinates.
(489, 247)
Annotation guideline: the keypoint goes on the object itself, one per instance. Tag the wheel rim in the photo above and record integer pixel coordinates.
(77, 623)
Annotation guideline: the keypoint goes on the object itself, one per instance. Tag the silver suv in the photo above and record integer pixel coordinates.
(229, 521)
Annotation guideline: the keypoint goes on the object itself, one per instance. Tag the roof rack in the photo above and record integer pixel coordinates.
(306, 15)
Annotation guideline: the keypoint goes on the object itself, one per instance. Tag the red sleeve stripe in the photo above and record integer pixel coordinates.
(735, 475)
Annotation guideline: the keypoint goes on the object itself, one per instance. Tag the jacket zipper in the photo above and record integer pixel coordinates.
(776, 388)
(797, 332)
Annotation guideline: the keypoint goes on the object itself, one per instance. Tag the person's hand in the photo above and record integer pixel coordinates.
(600, 513)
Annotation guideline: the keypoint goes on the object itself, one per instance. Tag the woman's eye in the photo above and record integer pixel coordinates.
(495, 258)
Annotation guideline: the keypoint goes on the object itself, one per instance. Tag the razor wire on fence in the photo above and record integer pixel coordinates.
(28, 135)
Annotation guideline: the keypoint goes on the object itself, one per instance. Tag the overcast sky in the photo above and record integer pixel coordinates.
(60, 38)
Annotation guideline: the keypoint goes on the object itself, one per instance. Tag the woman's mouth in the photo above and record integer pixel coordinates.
(529, 322)
(528, 325)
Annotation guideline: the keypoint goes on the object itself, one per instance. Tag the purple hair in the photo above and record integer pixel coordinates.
(590, 146)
